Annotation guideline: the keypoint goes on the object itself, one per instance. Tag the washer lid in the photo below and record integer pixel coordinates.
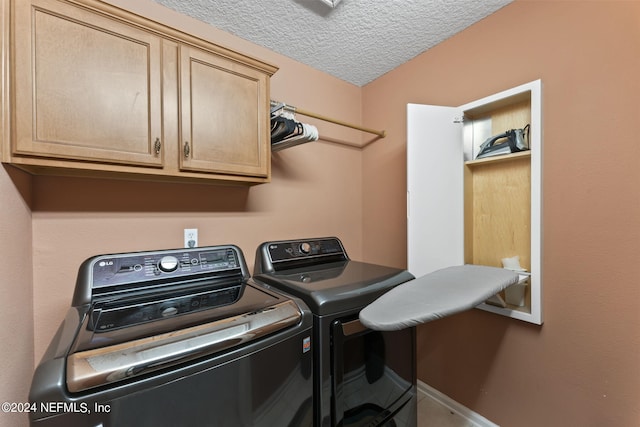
(336, 287)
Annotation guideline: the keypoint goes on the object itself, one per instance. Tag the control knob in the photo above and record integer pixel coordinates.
(168, 263)
(305, 248)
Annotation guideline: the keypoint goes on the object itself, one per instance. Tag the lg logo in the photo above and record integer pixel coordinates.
(105, 263)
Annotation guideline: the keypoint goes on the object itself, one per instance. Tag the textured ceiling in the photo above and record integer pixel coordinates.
(357, 41)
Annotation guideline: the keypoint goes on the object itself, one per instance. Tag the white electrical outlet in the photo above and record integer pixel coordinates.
(190, 237)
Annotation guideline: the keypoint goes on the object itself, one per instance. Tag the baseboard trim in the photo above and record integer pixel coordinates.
(454, 406)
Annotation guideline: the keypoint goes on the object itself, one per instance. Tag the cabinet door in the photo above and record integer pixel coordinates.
(435, 205)
(89, 86)
(224, 115)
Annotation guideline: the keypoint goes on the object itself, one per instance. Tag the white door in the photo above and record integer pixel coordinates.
(435, 188)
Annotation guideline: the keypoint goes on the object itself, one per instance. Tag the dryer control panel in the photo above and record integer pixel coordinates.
(287, 254)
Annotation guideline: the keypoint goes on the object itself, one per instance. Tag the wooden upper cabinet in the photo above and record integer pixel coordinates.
(99, 91)
(88, 87)
(224, 127)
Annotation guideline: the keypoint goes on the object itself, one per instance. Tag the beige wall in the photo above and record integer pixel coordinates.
(16, 295)
(582, 367)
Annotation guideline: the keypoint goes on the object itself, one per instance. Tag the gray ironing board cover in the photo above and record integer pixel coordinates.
(435, 295)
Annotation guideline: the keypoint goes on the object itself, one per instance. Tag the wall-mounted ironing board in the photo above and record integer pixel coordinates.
(436, 295)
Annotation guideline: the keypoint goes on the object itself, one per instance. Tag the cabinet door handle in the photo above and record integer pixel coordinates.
(157, 145)
(187, 150)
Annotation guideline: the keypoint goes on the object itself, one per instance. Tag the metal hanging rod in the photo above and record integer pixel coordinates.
(277, 105)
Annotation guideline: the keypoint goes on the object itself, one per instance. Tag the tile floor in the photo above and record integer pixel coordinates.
(432, 414)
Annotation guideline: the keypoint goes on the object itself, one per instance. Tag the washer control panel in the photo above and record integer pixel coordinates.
(114, 270)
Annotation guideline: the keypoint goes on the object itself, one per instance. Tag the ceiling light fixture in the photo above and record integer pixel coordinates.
(332, 3)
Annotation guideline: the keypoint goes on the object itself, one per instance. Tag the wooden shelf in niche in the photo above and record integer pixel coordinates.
(498, 159)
